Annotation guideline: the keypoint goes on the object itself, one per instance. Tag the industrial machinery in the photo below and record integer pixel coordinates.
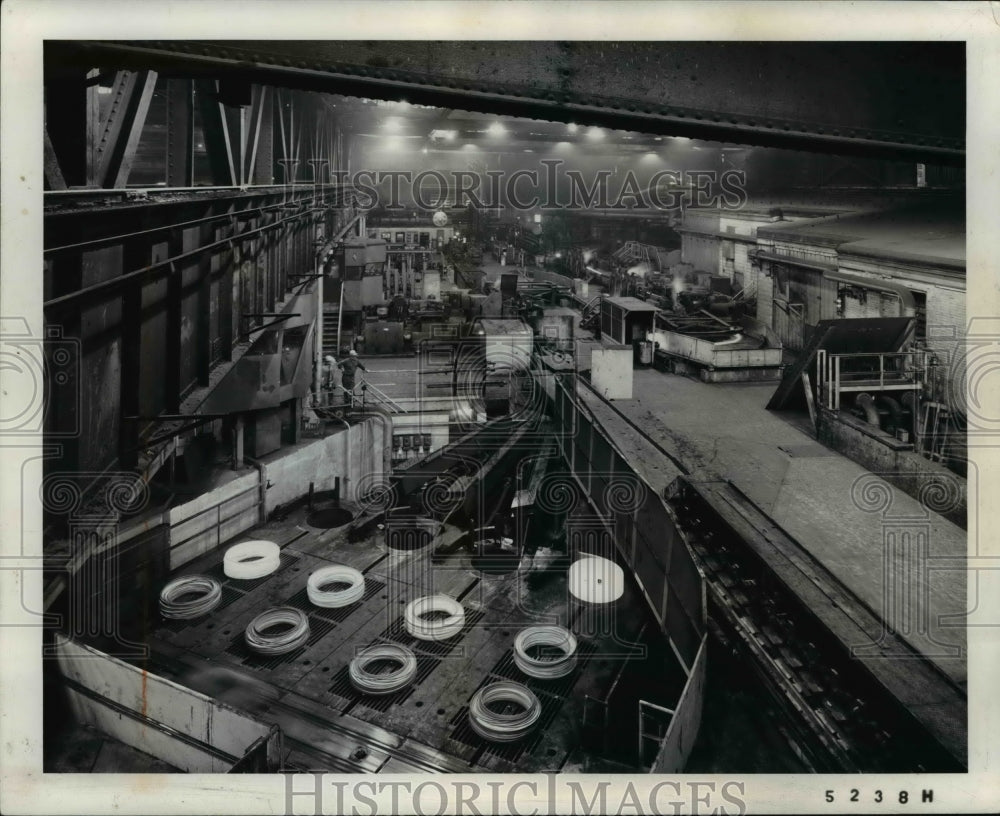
(716, 350)
(359, 265)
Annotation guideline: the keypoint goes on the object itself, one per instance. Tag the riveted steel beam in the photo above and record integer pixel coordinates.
(54, 179)
(122, 127)
(180, 133)
(216, 128)
(864, 99)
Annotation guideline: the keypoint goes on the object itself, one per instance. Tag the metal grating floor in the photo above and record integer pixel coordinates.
(428, 653)
(229, 596)
(396, 632)
(318, 628)
(510, 751)
(506, 669)
(219, 574)
(300, 600)
(375, 563)
(343, 687)
(550, 693)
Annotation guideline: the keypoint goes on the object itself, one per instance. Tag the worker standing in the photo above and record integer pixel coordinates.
(329, 379)
(349, 368)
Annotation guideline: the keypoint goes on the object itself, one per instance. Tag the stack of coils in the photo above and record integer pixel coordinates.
(503, 727)
(547, 636)
(251, 559)
(375, 683)
(282, 642)
(335, 598)
(422, 628)
(207, 593)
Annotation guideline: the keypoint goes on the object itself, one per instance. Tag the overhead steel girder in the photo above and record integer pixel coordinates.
(81, 149)
(130, 98)
(902, 101)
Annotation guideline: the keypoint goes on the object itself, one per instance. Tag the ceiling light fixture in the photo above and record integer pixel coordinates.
(595, 133)
(496, 129)
(571, 127)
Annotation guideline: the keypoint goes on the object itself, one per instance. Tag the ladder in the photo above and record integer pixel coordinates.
(934, 430)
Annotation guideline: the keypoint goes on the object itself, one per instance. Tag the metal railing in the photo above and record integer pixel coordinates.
(220, 519)
(378, 397)
(868, 371)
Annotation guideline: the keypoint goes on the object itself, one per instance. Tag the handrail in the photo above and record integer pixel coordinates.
(835, 375)
(382, 397)
(219, 520)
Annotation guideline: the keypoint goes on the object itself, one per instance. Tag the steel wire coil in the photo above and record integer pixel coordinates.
(496, 727)
(372, 683)
(208, 591)
(283, 642)
(423, 629)
(336, 598)
(251, 559)
(553, 636)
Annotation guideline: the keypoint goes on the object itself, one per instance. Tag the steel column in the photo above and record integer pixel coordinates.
(216, 131)
(136, 254)
(172, 363)
(116, 147)
(180, 133)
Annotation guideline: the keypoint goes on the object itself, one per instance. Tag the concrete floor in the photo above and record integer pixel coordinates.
(328, 725)
(723, 430)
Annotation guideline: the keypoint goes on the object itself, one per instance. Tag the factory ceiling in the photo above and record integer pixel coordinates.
(893, 100)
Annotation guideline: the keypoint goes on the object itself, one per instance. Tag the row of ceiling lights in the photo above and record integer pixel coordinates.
(395, 125)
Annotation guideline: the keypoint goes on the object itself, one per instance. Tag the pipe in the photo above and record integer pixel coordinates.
(111, 239)
(895, 411)
(318, 340)
(347, 466)
(114, 283)
(910, 402)
(387, 429)
(867, 404)
(262, 476)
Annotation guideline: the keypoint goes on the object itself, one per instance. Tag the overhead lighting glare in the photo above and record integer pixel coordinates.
(447, 135)
(392, 124)
(496, 129)
(571, 127)
(468, 146)
(595, 133)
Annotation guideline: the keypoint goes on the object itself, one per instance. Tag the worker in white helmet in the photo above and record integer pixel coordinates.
(349, 368)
